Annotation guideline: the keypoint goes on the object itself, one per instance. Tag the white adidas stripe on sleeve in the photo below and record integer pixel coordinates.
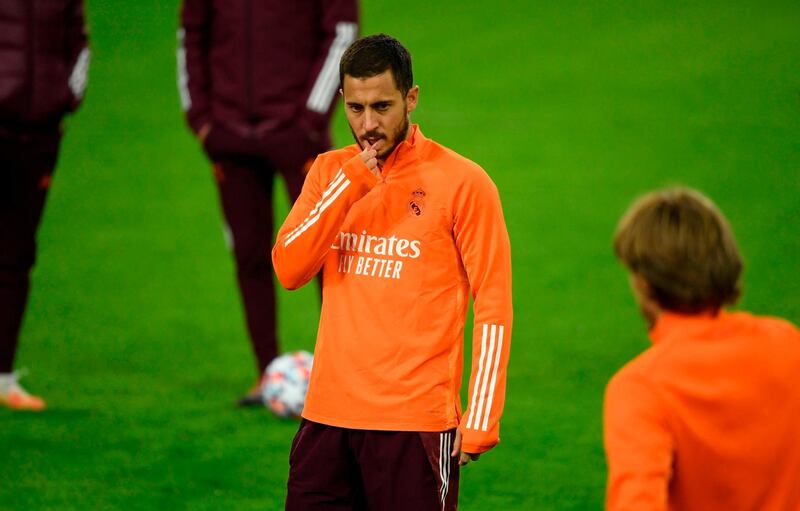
(328, 79)
(484, 387)
(494, 379)
(333, 191)
(183, 74)
(78, 77)
(485, 376)
(477, 378)
(338, 178)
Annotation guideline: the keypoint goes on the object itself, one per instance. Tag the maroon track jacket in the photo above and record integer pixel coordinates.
(255, 67)
(44, 61)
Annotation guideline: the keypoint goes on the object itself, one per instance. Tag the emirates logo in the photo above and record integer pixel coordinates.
(416, 206)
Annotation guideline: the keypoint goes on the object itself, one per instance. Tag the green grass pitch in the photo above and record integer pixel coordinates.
(134, 332)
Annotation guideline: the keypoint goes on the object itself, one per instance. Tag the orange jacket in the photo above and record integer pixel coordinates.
(708, 418)
(399, 255)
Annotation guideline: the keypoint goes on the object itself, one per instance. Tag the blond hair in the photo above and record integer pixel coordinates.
(680, 243)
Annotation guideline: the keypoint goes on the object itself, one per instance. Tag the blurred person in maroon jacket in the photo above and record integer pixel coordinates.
(257, 80)
(44, 61)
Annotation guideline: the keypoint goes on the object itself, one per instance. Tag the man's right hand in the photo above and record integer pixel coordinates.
(463, 457)
(370, 158)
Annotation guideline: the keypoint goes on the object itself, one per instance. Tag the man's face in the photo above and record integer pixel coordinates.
(377, 111)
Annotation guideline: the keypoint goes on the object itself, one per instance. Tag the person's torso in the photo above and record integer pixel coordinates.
(730, 388)
(261, 59)
(390, 343)
(34, 63)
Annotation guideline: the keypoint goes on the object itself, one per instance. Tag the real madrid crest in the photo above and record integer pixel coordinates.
(416, 205)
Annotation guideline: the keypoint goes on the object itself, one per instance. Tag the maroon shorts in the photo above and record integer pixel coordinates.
(349, 469)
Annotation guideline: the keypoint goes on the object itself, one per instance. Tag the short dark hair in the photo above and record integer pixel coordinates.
(680, 243)
(374, 54)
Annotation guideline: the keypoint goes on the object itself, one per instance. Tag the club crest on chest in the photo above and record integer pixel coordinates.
(416, 204)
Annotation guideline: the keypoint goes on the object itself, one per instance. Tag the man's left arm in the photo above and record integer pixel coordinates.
(482, 240)
(339, 28)
(77, 52)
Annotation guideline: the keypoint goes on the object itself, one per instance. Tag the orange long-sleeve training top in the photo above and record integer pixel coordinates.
(399, 256)
(708, 418)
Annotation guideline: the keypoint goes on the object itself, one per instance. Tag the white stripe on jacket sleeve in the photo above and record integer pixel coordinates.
(183, 74)
(477, 378)
(489, 400)
(335, 188)
(484, 386)
(485, 376)
(327, 82)
(79, 75)
(338, 178)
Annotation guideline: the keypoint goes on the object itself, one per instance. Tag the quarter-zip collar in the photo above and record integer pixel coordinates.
(670, 323)
(406, 152)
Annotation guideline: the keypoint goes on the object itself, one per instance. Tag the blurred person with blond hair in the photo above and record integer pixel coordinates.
(707, 417)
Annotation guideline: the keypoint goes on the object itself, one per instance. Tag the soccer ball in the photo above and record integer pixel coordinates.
(286, 382)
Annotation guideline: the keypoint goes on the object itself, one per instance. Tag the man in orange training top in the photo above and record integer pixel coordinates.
(402, 229)
(708, 417)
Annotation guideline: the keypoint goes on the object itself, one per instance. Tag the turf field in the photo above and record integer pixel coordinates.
(134, 332)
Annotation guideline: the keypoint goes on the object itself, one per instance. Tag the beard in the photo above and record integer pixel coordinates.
(398, 137)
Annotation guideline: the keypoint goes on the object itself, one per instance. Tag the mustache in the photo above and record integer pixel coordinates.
(373, 134)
